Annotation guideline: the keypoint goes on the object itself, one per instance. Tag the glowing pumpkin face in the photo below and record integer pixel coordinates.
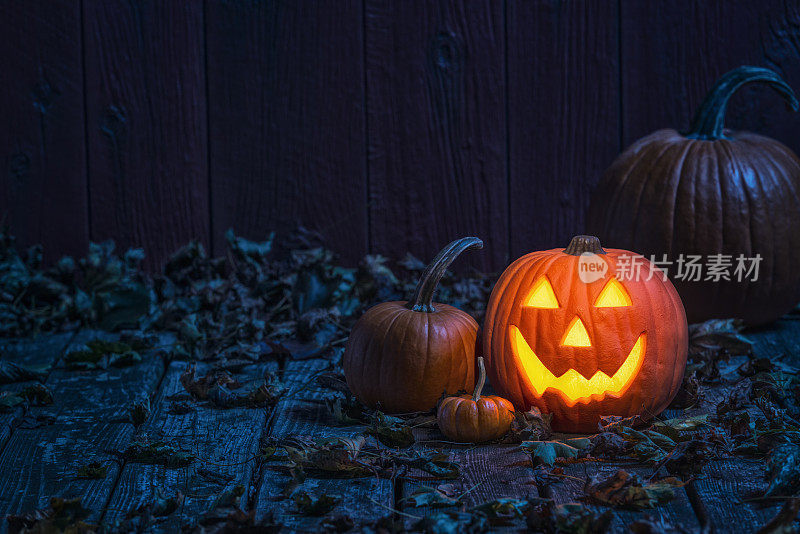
(584, 346)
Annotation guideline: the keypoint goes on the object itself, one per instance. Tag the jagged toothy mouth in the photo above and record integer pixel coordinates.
(573, 386)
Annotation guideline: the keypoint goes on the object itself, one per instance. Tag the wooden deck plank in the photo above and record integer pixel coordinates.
(42, 462)
(677, 512)
(363, 499)
(780, 339)
(727, 483)
(490, 472)
(726, 486)
(41, 352)
(494, 471)
(224, 442)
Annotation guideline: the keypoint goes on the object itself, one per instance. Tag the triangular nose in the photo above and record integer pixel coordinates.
(576, 336)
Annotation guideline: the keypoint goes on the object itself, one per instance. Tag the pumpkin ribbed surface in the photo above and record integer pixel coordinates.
(403, 356)
(405, 360)
(465, 420)
(668, 194)
(654, 321)
(711, 192)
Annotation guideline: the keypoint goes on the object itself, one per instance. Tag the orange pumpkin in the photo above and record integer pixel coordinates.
(472, 418)
(402, 356)
(566, 333)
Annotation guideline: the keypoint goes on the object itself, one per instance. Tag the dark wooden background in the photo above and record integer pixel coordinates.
(386, 125)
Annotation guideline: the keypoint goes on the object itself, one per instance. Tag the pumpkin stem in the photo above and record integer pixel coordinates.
(476, 393)
(584, 243)
(422, 300)
(708, 121)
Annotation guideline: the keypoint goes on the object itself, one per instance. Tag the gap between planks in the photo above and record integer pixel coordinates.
(41, 461)
(35, 352)
(224, 441)
(305, 414)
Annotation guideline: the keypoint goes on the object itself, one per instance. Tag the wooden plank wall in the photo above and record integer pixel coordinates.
(387, 126)
(43, 193)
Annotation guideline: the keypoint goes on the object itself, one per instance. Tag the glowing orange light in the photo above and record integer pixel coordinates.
(541, 296)
(573, 386)
(613, 295)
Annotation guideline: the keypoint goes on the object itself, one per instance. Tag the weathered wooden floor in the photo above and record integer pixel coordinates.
(42, 450)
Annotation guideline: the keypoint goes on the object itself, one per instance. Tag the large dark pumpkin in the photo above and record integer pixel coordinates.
(706, 192)
(403, 356)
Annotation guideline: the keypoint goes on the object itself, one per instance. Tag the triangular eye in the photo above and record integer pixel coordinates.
(613, 296)
(541, 296)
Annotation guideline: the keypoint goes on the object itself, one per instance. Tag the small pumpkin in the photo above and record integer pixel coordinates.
(472, 418)
(404, 355)
(579, 346)
(706, 192)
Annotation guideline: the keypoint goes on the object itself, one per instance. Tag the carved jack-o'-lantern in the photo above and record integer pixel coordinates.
(565, 334)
